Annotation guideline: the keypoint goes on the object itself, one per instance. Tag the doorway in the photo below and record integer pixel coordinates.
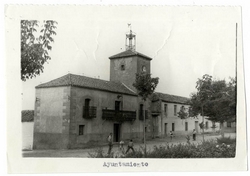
(117, 129)
(196, 126)
(165, 129)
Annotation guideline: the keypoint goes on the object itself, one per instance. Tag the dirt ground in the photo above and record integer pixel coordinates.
(84, 153)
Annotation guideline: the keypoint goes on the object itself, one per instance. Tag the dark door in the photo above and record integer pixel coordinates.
(196, 126)
(173, 127)
(116, 132)
(165, 129)
(86, 109)
(186, 126)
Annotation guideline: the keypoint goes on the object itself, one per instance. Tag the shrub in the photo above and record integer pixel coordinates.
(226, 140)
(207, 149)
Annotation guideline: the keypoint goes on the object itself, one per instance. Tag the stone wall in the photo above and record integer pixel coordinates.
(97, 129)
(51, 118)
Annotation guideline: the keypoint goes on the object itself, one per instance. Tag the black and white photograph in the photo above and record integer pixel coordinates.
(120, 85)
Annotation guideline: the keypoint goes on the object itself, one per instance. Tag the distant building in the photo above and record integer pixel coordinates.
(164, 110)
(73, 111)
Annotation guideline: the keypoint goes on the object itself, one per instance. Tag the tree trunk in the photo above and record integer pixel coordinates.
(144, 126)
(222, 130)
(202, 124)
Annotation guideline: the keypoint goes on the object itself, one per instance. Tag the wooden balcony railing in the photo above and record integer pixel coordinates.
(118, 115)
(89, 112)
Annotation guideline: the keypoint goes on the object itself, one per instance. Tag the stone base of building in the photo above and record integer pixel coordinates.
(50, 141)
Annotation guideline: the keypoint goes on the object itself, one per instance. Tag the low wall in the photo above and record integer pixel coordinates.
(27, 135)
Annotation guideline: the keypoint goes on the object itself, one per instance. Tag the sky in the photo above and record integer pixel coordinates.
(184, 42)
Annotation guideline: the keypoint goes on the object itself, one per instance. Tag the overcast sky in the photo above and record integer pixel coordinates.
(184, 42)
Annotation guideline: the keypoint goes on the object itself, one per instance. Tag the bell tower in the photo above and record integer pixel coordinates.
(130, 40)
(125, 65)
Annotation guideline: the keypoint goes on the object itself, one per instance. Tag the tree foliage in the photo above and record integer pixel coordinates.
(35, 46)
(216, 97)
(183, 113)
(145, 84)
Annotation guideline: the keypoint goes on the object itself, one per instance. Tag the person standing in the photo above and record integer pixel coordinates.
(121, 146)
(171, 135)
(194, 134)
(110, 143)
(130, 146)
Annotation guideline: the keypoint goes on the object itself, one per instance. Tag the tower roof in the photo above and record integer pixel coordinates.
(129, 53)
(87, 82)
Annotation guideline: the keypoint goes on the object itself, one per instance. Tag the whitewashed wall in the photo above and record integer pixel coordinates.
(27, 135)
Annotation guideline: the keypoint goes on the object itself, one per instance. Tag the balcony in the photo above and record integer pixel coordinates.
(141, 115)
(89, 112)
(118, 115)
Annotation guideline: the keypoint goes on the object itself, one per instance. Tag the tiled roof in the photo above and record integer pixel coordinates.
(129, 53)
(170, 98)
(27, 115)
(87, 82)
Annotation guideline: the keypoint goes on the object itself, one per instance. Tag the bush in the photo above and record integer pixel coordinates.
(226, 140)
(207, 149)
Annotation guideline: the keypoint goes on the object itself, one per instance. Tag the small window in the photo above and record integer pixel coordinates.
(122, 67)
(81, 130)
(175, 110)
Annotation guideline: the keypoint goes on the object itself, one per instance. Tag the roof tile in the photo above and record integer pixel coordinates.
(87, 82)
(129, 53)
(169, 98)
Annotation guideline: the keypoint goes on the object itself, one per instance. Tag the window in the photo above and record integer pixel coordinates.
(141, 111)
(229, 124)
(86, 108)
(122, 67)
(117, 105)
(172, 126)
(175, 110)
(166, 109)
(81, 130)
(206, 126)
(186, 126)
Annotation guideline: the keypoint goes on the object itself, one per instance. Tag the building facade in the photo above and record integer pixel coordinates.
(73, 111)
(165, 109)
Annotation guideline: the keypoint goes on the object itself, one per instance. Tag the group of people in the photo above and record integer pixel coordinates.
(131, 144)
(121, 144)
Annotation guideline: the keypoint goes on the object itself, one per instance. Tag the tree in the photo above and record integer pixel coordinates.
(183, 114)
(35, 46)
(145, 86)
(215, 99)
